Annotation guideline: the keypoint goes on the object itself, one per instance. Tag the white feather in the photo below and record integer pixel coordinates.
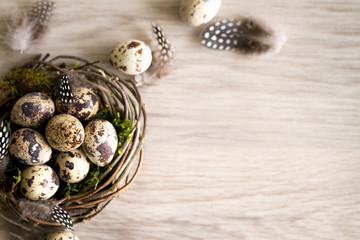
(21, 32)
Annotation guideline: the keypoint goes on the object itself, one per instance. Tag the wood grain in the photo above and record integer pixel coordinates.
(237, 147)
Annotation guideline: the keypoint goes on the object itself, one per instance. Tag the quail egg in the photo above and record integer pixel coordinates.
(84, 106)
(197, 12)
(29, 147)
(72, 166)
(131, 57)
(32, 110)
(100, 142)
(61, 235)
(64, 132)
(39, 182)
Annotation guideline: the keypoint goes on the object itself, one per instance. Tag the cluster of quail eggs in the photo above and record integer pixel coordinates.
(52, 144)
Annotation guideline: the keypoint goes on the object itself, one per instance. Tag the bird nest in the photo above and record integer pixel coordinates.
(119, 100)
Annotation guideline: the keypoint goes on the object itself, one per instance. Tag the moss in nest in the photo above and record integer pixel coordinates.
(123, 128)
(90, 182)
(20, 81)
(17, 177)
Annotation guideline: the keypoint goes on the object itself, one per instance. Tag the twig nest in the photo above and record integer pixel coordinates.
(100, 142)
(83, 106)
(64, 132)
(29, 147)
(39, 182)
(72, 166)
(131, 57)
(198, 12)
(61, 235)
(32, 110)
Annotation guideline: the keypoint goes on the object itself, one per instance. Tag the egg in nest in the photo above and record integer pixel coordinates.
(29, 147)
(83, 106)
(100, 142)
(61, 235)
(72, 166)
(32, 110)
(64, 132)
(39, 182)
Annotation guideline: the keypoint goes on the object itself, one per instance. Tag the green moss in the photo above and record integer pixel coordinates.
(17, 177)
(123, 128)
(20, 81)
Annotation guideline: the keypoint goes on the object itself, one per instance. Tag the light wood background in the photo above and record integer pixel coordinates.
(237, 147)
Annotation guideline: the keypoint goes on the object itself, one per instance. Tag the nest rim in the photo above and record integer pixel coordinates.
(123, 96)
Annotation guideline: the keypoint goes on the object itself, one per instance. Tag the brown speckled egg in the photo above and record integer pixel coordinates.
(39, 182)
(61, 235)
(100, 142)
(131, 57)
(64, 132)
(72, 166)
(84, 105)
(29, 147)
(197, 12)
(32, 110)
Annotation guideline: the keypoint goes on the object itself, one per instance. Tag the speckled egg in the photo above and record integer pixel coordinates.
(197, 12)
(39, 182)
(131, 57)
(61, 235)
(72, 166)
(29, 147)
(32, 110)
(84, 106)
(64, 132)
(100, 142)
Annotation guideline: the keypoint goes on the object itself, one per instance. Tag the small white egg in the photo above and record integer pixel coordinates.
(198, 12)
(100, 141)
(72, 166)
(39, 182)
(131, 57)
(61, 235)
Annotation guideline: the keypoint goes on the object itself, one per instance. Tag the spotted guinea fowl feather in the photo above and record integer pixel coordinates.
(24, 28)
(61, 216)
(247, 35)
(66, 94)
(163, 57)
(4, 138)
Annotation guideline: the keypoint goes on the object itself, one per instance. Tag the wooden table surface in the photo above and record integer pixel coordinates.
(237, 147)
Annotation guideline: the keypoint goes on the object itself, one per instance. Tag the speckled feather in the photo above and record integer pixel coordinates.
(166, 51)
(41, 12)
(65, 92)
(61, 216)
(248, 35)
(4, 138)
(163, 57)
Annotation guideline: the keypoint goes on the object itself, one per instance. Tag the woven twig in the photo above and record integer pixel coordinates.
(118, 95)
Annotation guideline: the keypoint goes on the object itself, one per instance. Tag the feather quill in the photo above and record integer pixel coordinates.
(247, 35)
(163, 57)
(24, 28)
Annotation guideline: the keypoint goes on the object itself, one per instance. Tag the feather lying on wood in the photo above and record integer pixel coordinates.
(163, 57)
(25, 28)
(247, 35)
